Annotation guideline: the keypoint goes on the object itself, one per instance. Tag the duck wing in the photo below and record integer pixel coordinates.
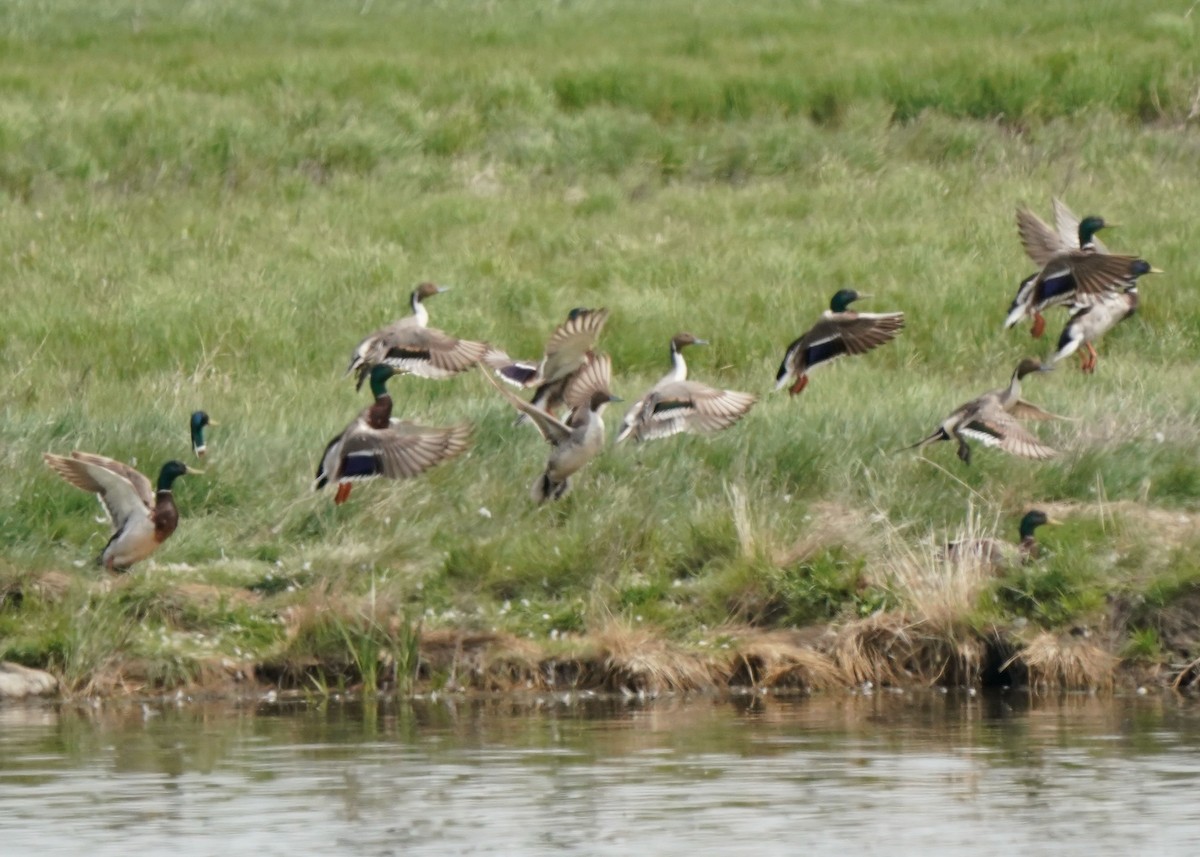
(595, 375)
(993, 427)
(422, 351)
(124, 492)
(401, 451)
(569, 345)
(838, 334)
(1026, 410)
(686, 406)
(1042, 243)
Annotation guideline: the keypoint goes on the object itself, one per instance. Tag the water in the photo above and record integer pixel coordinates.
(889, 774)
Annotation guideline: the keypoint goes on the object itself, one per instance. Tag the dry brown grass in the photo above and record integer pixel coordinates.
(1067, 663)
(783, 659)
(482, 661)
(639, 661)
(894, 649)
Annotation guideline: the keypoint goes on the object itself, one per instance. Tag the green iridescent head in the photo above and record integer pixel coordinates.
(1089, 226)
(171, 471)
(843, 298)
(1032, 521)
(379, 377)
(199, 422)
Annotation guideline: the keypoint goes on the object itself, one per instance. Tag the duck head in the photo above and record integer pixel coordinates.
(199, 422)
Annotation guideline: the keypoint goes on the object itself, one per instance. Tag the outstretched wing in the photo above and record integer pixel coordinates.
(569, 344)
(1042, 243)
(422, 351)
(684, 406)
(993, 427)
(595, 375)
(401, 451)
(124, 492)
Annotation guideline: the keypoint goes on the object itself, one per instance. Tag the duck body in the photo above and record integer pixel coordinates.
(579, 439)
(198, 422)
(992, 419)
(142, 518)
(997, 553)
(376, 445)
(676, 405)
(411, 347)
(839, 331)
(1090, 322)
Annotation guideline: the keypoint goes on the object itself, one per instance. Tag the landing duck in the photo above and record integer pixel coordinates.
(992, 419)
(377, 445)
(568, 352)
(580, 438)
(198, 423)
(675, 404)
(1074, 269)
(142, 517)
(998, 553)
(410, 346)
(839, 331)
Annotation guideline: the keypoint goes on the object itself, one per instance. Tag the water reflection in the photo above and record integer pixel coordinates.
(912, 773)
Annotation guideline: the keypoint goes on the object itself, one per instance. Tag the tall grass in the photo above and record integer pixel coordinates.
(207, 205)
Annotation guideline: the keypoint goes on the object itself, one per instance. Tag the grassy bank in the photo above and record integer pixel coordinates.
(208, 205)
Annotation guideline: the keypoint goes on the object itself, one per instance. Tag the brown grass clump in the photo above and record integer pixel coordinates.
(638, 661)
(894, 649)
(1070, 663)
(481, 660)
(784, 659)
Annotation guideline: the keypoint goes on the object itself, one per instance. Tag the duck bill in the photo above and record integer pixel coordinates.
(213, 422)
(191, 471)
(1054, 522)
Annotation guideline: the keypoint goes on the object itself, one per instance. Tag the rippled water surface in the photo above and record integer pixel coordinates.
(888, 774)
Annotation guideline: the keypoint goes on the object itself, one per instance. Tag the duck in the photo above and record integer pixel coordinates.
(839, 331)
(1069, 272)
(577, 440)
(675, 404)
(998, 553)
(992, 419)
(142, 517)
(411, 346)
(569, 350)
(1090, 322)
(199, 421)
(375, 444)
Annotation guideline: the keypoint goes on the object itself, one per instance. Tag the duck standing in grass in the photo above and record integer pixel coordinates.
(377, 445)
(1071, 273)
(839, 331)
(411, 346)
(569, 350)
(676, 404)
(1001, 554)
(578, 440)
(1090, 322)
(199, 422)
(992, 419)
(142, 518)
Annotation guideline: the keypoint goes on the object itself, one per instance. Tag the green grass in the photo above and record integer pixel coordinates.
(208, 205)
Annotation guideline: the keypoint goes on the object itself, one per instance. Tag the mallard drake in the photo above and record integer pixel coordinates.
(142, 518)
(570, 348)
(1070, 272)
(675, 404)
(998, 553)
(377, 445)
(839, 331)
(578, 440)
(992, 418)
(199, 422)
(411, 347)
(1090, 322)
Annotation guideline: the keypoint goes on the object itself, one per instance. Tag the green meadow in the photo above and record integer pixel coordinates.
(208, 204)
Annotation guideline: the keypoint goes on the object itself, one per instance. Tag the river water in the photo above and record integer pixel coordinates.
(916, 773)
